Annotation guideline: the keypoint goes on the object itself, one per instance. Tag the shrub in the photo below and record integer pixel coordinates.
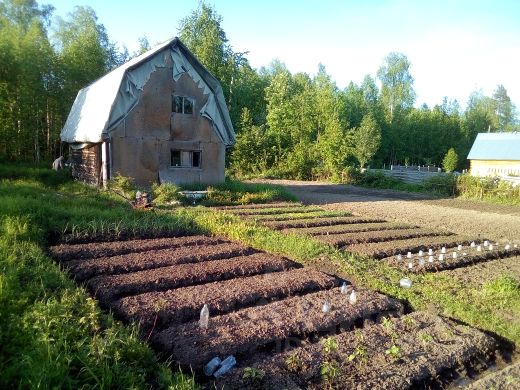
(451, 159)
(441, 184)
(165, 193)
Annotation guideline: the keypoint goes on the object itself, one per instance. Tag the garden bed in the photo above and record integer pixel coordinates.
(254, 206)
(377, 236)
(418, 350)
(140, 261)
(282, 216)
(472, 257)
(184, 304)
(275, 211)
(247, 330)
(315, 222)
(384, 249)
(349, 228)
(110, 287)
(65, 252)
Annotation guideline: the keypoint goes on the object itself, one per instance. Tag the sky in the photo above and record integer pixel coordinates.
(455, 46)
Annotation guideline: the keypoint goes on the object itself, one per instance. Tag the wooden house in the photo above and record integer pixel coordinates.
(495, 154)
(160, 117)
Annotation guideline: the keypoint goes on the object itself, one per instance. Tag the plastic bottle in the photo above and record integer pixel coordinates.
(490, 247)
(326, 307)
(410, 265)
(472, 244)
(486, 243)
(409, 255)
(226, 365)
(344, 288)
(405, 282)
(459, 248)
(430, 252)
(443, 249)
(430, 259)
(454, 255)
(352, 298)
(421, 262)
(507, 247)
(212, 365)
(421, 253)
(441, 257)
(399, 257)
(479, 248)
(204, 317)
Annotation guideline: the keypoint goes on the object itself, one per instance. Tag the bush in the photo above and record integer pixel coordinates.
(451, 159)
(488, 188)
(441, 184)
(123, 186)
(165, 193)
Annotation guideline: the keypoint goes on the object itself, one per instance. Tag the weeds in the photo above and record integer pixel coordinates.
(394, 352)
(293, 363)
(330, 345)
(253, 375)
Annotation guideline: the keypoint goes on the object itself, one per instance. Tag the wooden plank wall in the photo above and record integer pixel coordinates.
(86, 164)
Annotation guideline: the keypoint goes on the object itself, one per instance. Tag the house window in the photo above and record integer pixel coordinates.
(195, 159)
(186, 158)
(176, 158)
(182, 104)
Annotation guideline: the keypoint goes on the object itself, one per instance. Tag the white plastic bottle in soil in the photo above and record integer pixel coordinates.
(430, 252)
(204, 317)
(344, 288)
(352, 298)
(326, 307)
(212, 365)
(227, 364)
(405, 282)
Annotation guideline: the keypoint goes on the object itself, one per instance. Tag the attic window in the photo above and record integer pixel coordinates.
(185, 158)
(182, 104)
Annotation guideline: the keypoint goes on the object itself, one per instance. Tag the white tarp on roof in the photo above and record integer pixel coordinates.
(99, 107)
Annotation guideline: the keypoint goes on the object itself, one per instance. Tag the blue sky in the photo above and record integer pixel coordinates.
(455, 47)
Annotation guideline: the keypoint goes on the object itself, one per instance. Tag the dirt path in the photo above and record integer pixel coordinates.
(464, 217)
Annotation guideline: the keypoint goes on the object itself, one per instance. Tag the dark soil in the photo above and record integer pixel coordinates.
(415, 351)
(481, 273)
(299, 215)
(65, 252)
(132, 262)
(184, 304)
(506, 379)
(275, 211)
(350, 228)
(314, 222)
(472, 257)
(243, 332)
(261, 206)
(377, 236)
(381, 250)
(110, 287)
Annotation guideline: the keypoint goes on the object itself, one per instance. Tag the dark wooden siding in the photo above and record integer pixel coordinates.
(86, 164)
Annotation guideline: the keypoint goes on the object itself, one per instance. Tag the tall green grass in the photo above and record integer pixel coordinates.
(52, 334)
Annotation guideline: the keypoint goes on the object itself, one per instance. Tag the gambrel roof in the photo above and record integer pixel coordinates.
(102, 105)
(496, 146)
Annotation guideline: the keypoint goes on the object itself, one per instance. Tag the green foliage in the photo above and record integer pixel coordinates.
(394, 351)
(253, 375)
(165, 193)
(330, 345)
(53, 335)
(487, 188)
(450, 161)
(367, 139)
(293, 362)
(236, 192)
(329, 371)
(123, 186)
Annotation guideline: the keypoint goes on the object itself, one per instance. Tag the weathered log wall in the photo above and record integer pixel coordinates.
(86, 164)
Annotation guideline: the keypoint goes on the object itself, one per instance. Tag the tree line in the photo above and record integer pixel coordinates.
(288, 125)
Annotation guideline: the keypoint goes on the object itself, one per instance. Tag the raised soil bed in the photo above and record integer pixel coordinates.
(418, 350)
(314, 222)
(66, 252)
(472, 257)
(381, 250)
(109, 287)
(481, 273)
(377, 236)
(349, 228)
(140, 261)
(276, 210)
(184, 304)
(242, 333)
(297, 216)
(261, 206)
(507, 378)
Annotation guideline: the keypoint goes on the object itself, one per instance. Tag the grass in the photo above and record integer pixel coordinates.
(446, 295)
(53, 335)
(234, 192)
